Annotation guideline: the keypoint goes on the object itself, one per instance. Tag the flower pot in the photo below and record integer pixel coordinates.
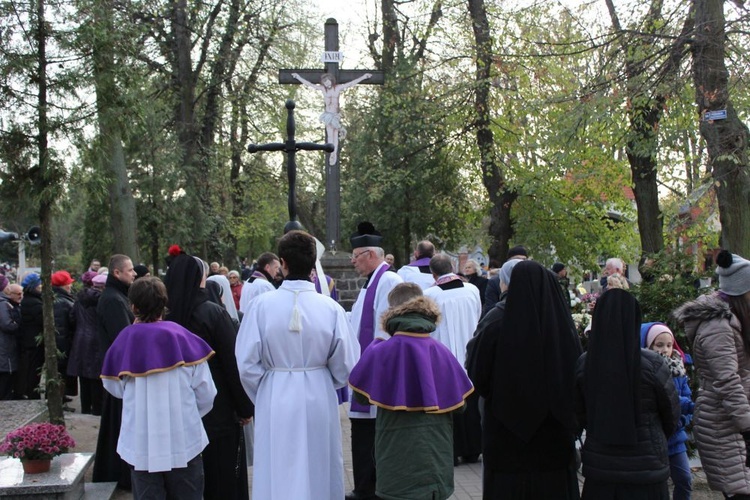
(36, 466)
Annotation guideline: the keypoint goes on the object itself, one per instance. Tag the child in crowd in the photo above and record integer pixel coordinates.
(159, 370)
(658, 337)
(415, 382)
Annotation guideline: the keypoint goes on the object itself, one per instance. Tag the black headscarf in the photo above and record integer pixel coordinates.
(536, 354)
(214, 292)
(613, 369)
(183, 281)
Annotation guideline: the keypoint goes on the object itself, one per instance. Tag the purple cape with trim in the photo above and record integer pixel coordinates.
(411, 372)
(145, 348)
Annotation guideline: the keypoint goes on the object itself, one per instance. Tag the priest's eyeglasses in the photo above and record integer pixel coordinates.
(355, 256)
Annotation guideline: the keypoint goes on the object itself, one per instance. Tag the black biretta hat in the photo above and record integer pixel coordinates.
(366, 236)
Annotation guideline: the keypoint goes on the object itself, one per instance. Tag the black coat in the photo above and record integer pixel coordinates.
(86, 356)
(212, 323)
(10, 319)
(551, 448)
(113, 312)
(64, 321)
(31, 319)
(481, 283)
(491, 294)
(646, 461)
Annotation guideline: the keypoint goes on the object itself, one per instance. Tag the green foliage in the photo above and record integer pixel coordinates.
(668, 282)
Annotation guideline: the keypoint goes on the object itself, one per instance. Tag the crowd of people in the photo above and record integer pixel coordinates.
(209, 371)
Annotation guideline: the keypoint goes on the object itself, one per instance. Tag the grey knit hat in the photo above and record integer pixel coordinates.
(734, 273)
(507, 269)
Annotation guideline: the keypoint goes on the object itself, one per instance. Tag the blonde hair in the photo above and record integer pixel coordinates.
(617, 281)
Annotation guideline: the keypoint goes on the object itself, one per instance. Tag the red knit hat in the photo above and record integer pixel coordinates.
(61, 278)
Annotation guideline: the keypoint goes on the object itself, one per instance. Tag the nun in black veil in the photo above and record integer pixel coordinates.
(626, 401)
(525, 370)
(224, 462)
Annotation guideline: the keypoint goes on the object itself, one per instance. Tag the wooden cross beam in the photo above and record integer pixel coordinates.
(341, 80)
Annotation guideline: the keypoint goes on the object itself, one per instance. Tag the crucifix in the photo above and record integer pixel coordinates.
(332, 82)
(290, 147)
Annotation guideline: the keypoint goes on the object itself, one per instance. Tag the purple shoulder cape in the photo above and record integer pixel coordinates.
(146, 348)
(411, 372)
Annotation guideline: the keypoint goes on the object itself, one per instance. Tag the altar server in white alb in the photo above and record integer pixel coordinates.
(159, 370)
(461, 307)
(368, 259)
(294, 349)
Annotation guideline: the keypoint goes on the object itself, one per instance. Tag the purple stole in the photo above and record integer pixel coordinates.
(424, 261)
(367, 324)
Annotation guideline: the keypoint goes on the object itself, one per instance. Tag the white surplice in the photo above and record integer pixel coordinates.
(387, 282)
(259, 286)
(161, 416)
(412, 274)
(291, 376)
(460, 309)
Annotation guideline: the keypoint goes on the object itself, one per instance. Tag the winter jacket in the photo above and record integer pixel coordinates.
(676, 442)
(647, 461)
(10, 320)
(722, 410)
(112, 312)
(86, 355)
(64, 325)
(31, 319)
(212, 323)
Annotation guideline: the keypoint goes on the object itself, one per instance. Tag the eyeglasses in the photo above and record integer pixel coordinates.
(355, 256)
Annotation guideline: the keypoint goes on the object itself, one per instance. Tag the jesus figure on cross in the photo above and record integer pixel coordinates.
(331, 117)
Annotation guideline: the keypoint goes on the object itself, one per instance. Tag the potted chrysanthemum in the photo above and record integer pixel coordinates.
(36, 445)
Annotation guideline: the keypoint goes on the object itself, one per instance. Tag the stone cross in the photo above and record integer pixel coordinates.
(334, 81)
(290, 147)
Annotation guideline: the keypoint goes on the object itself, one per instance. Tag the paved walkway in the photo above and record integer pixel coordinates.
(467, 477)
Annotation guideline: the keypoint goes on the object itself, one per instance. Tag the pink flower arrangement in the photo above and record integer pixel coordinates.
(37, 441)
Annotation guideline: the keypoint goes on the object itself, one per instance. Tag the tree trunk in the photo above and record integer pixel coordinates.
(122, 204)
(501, 198)
(726, 139)
(183, 81)
(53, 387)
(645, 112)
(641, 151)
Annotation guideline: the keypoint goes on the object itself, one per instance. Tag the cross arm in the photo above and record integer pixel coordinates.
(274, 146)
(347, 75)
(344, 76)
(313, 146)
(311, 75)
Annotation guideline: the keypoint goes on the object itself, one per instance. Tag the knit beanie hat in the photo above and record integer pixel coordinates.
(3, 282)
(87, 277)
(31, 280)
(656, 330)
(507, 269)
(99, 281)
(734, 273)
(140, 270)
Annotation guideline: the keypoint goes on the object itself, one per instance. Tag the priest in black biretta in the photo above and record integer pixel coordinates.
(366, 236)
(529, 423)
